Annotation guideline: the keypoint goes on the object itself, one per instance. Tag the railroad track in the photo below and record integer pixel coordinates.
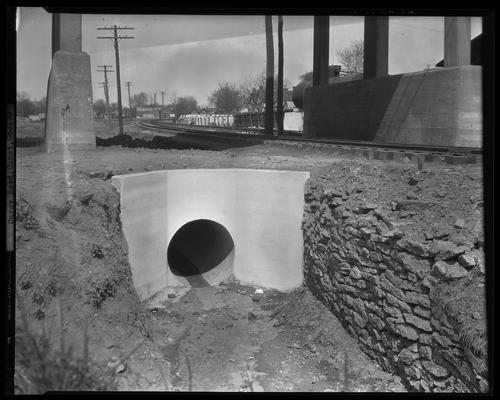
(454, 155)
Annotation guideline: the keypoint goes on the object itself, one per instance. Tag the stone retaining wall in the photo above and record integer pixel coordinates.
(382, 287)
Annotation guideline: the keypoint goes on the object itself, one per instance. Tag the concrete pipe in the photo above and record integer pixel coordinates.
(202, 251)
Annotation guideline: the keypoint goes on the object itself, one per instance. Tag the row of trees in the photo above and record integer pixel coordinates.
(27, 106)
(261, 93)
(179, 106)
(250, 93)
(227, 98)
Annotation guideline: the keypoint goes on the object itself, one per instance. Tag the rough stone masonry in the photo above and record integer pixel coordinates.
(380, 285)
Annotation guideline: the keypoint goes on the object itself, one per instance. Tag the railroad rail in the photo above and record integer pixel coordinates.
(371, 150)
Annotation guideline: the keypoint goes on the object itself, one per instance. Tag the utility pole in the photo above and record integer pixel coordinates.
(280, 112)
(106, 88)
(269, 111)
(115, 38)
(106, 95)
(162, 104)
(128, 84)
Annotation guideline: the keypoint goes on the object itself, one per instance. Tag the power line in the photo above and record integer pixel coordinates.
(416, 27)
(116, 39)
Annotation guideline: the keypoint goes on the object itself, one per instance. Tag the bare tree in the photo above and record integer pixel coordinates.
(100, 106)
(269, 116)
(351, 57)
(253, 92)
(140, 99)
(226, 98)
(280, 114)
(25, 106)
(184, 105)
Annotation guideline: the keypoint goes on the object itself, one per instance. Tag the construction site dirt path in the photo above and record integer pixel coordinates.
(228, 338)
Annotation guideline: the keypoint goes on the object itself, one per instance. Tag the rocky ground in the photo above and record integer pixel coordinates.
(70, 257)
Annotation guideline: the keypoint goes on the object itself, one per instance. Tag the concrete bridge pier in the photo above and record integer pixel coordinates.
(69, 123)
(457, 41)
(321, 47)
(440, 107)
(376, 47)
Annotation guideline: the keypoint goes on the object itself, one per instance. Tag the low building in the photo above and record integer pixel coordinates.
(36, 117)
(148, 112)
(166, 114)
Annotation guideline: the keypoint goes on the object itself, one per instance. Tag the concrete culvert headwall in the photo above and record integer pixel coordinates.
(201, 226)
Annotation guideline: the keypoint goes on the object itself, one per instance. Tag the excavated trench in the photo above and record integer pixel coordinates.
(266, 228)
(194, 228)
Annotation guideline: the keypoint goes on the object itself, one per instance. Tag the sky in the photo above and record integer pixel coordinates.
(190, 54)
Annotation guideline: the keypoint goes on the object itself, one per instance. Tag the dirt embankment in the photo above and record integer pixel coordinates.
(70, 250)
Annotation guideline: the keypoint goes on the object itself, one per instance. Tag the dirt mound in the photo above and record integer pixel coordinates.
(431, 203)
(69, 249)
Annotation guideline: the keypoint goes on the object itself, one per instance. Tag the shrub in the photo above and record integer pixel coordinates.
(40, 367)
(24, 215)
(100, 291)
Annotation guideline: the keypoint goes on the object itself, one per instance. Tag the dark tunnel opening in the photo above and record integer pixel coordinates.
(197, 247)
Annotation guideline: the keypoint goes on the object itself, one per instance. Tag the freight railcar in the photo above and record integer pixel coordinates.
(293, 120)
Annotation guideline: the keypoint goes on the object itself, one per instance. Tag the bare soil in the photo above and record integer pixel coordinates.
(69, 247)
(224, 338)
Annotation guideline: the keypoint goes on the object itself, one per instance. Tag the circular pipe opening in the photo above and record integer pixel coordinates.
(198, 247)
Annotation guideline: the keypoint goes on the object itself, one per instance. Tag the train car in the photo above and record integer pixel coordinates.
(215, 120)
(293, 120)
